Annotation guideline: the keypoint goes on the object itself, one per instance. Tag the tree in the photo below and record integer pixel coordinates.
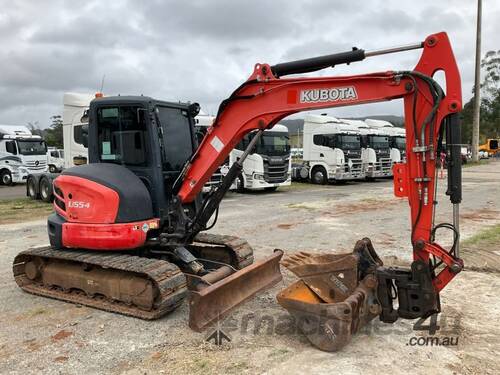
(34, 128)
(54, 134)
(490, 102)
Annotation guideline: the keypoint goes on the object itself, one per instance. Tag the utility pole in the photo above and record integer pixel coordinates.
(477, 87)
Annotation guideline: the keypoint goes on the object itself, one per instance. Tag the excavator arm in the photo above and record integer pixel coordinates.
(265, 98)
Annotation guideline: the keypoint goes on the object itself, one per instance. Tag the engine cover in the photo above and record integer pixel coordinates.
(101, 193)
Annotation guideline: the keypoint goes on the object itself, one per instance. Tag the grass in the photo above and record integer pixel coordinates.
(298, 186)
(299, 206)
(23, 209)
(490, 236)
(475, 163)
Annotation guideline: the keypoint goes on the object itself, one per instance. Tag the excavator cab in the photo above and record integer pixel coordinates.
(141, 133)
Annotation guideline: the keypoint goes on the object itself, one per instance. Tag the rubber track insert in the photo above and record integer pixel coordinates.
(167, 280)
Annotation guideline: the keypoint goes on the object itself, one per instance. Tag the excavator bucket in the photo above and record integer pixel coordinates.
(212, 300)
(332, 277)
(336, 294)
(330, 326)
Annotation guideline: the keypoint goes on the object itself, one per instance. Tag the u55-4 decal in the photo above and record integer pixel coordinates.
(78, 204)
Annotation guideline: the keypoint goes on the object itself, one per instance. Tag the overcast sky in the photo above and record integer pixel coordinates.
(202, 50)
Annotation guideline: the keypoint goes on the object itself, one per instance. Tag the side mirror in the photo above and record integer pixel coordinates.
(10, 147)
(85, 118)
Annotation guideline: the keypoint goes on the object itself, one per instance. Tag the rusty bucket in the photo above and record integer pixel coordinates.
(330, 326)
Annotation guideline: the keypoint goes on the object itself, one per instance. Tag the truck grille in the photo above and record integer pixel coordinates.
(275, 170)
(36, 165)
(385, 164)
(356, 167)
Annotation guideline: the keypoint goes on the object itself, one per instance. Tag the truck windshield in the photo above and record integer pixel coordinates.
(378, 142)
(177, 138)
(399, 143)
(273, 144)
(31, 147)
(349, 142)
(121, 135)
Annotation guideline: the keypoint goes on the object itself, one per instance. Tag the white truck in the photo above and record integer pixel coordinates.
(267, 168)
(55, 159)
(75, 134)
(397, 138)
(269, 165)
(332, 151)
(21, 153)
(375, 150)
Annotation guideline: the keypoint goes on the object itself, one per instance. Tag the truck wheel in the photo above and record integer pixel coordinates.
(318, 176)
(6, 177)
(52, 168)
(240, 184)
(46, 190)
(32, 189)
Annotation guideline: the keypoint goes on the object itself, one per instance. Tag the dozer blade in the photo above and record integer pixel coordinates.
(209, 303)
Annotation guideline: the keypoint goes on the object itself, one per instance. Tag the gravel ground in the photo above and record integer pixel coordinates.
(14, 191)
(40, 335)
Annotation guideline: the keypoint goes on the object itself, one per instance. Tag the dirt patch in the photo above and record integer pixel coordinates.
(335, 209)
(61, 358)
(18, 210)
(287, 225)
(61, 335)
(480, 215)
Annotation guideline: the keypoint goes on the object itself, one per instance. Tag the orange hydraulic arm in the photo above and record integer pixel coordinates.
(264, 99)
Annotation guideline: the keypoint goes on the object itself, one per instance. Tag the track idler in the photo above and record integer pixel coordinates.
(335, 296)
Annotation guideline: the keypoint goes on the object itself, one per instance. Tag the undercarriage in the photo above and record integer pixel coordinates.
(148, 286)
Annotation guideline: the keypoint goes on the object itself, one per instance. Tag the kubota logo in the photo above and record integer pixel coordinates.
(328, 95)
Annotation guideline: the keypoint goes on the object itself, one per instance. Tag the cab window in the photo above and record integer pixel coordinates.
(121, 135)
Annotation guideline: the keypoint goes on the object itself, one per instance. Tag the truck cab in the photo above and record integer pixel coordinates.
(375, 150)
(55, 159)
(75, 128)
(268, 166)
(397, 138)
(21, 153)
(332, 150)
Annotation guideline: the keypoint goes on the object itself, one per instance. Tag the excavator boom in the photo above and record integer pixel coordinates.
(429, 111)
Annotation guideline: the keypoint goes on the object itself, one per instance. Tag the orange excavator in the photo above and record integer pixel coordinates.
(127, 234)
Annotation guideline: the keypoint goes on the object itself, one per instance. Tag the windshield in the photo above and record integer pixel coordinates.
(378, 142)
(31, 147)
(349, 142)
(400, 143)
(121, 135)
(273, 144)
